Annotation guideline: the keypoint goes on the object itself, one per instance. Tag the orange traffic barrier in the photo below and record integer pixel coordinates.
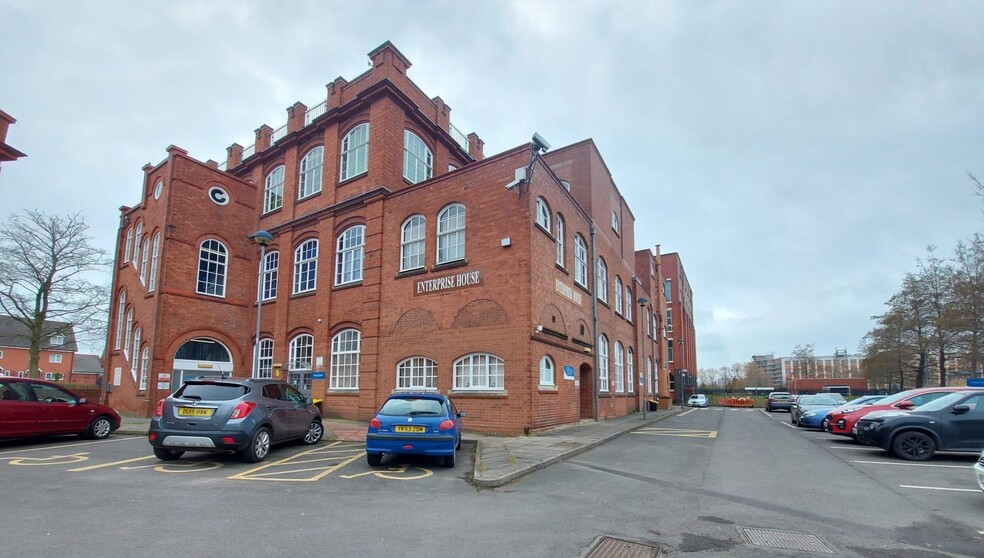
(736, 402)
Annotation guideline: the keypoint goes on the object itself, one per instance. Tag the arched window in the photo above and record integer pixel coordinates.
(602, 363)
(619, 368)
(143, 262)
(129, 245)
(479, 371)
(418, 162)
(273, 190)
(355, 152)
(649, 376)
(546, 371)
(412, 245)
(618, 295)
(580, 261)
(306, 266)
(136, 245)
(120, 308)
(265, 368)
(451, 234)
(271, 272)
(416, 373)
(542, 213)
(310, 179)
(615, 222)
(345, 348)
(602, 280)
(129, 332)
(301, 352)
(559, 237)
(135, 361)
(349, 254)
(153, 263)
(212, 268)
(144, 368)
(629, 302)
(629, 372)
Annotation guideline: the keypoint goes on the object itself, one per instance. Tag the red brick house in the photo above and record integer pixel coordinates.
(682, 336)
(57, 349)
(401, 259)
(7, 152)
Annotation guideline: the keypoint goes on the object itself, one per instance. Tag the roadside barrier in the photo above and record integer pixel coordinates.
(736, 402)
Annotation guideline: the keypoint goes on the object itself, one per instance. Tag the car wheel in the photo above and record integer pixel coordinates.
(449, 460)
(825, 425)
(374, 459)
(768, 409)
(259, 446)
(165, 454)
(100, 428)
(913, 446)
(314, 432)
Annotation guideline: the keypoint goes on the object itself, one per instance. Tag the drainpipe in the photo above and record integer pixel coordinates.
(593, 270)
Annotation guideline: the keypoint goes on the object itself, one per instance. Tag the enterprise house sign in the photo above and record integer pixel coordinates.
(567, 292)
(447, 283)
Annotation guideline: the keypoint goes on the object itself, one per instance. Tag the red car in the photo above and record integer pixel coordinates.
(842, 422)
(31, 407)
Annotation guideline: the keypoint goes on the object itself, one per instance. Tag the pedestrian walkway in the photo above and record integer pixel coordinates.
(498, 459)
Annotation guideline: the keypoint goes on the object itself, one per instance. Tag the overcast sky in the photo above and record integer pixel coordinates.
(798, 155)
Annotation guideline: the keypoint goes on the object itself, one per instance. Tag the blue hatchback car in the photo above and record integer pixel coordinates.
(415, 424)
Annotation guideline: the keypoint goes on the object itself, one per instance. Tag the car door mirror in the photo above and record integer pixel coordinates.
(960, 409)
(462, 414)
(308, 401)
(82, 401)
(905, 404)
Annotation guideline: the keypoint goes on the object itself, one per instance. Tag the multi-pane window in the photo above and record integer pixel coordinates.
(412, 243)
(629, 372)
(619, 368)
(273, 190)
(136, 245)
(345, 359)
(306, 266)
(143, 262)
(349, 254)
(55, 358)
(301, 353)
(153, 263)
(144, 368)
(559, 237)
(602, 280)
(451, 234)
(120, 308)
(615, 222)
(416, 373)
(135, 361)
(271, 272)
(212, 268)
(542, 214)
(602, 363)
(310, 179)
(57, 340)
(417, 160)
(129, 332)
(649, 375)
(628, 303)
(546, 371)
(669, 352)
(667, 290)
(355, 152)
(580, 261)
(129, 244)
(265, 361)
(618, 294)
(479, 371)
(669, 321)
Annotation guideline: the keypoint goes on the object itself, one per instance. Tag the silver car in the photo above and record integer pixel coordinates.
(232, 415)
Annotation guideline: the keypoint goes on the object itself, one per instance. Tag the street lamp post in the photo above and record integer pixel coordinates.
(262, 239)
(643, 301)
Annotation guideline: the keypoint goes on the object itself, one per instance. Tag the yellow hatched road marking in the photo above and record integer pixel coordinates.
(301, 458)
(678, 432)
(111, 464)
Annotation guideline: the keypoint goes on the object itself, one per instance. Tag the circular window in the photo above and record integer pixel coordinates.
(158, 190)
(218, 195)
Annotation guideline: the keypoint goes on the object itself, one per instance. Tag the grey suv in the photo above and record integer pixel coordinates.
(232, 415)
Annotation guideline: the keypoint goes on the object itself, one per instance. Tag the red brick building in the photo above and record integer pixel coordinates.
(56, 352)
(7, 152)
(681, 335)
(401, 259)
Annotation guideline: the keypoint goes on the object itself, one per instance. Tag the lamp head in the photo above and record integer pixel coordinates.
(261, 237)
(643, 301)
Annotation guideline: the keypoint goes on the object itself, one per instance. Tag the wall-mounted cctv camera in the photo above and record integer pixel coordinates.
(519, 179)
(539, 143)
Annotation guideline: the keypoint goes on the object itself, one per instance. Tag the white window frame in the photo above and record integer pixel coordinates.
(649, 375)
(629, 302)
(601, 283)
(135, 361)
(57, 340)
(265, 362)
(128, 249)
(273, 189)
(213, 258)
(129, 331)
(136, 245)
(418, 162)
(143, 261)
(479, 372)
(669, 321)
(153, 263)
(144, 368)
(559, 237)
(451, 227)
(306, 266)
(301, 355)
(309, 180)
(345, 355)
(547, 370)
(618, 294)
(413, 243)
(271, 274)
(355, 152)
(615, 224)
(120, 309)
(669, 352)
(603, 363)
(542, 213)
(55, 358)
(349, 255)
(630, 371)
(580, 261)
(416, 373)
(619, 368)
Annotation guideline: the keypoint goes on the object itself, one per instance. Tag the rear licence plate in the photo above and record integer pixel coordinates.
(405, 428)
(190, 412)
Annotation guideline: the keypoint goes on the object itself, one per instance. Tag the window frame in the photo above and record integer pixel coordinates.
(305, 277)
(629, 302)
(446, 235)
(270, 275)
(273, 192)
(601, 280)
(547, 371)
(416, 373)
(128, 248)
(543, 214)
(350, 255)
(53, 360)
(360, 153)
(144, 257)
(264, 369)
(559, 238)
(144, 368)
(135, 361)
(128, 333)
(349, 369)
(120, 309)
(416, 223)
(580, 261)
(619, 367)
(618, 294)
(630, 371)
(310, 173)
(300, 356)
(487, 372)
(603, 383)
(422, 160)
(221, 267)
(155, 259)
(136, 245)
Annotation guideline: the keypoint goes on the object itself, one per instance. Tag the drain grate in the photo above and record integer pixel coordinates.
(610, 547)
(789, 540)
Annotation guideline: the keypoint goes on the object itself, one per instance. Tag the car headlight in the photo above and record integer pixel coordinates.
(810, 414)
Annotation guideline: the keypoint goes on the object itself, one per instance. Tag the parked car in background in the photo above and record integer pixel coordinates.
(979, 471)
(954, 422)
(232, 415)
(778, 400)
(415, 424)
(697, 400)
(850, 407)
(842, 423)
(33, 407)
(804, 403)
(814, 417)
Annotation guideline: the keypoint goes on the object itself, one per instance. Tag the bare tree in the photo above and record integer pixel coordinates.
(43, 283)
(936, 281)
(968, 289)
(805, 361)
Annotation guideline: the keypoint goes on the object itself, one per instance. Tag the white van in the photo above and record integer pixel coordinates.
(697, 400)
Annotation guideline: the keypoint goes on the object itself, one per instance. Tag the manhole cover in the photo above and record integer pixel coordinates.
(789, 540)
(610, 547)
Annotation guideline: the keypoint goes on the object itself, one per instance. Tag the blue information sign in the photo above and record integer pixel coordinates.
(975, 382)
(317, 375)
(568, 372)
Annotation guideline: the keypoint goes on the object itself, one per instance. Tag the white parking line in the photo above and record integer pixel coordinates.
(866, 448)
(913, 464)
(789, 425)
(938, 488)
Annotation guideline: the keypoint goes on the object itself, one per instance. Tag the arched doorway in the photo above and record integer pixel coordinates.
(587, 391)
(198, 357)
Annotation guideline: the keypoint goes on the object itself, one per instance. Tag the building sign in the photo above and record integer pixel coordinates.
(568, 372)
(567, 292)
(975, 382)
(164, 385)
(448, 283)
(317, 375)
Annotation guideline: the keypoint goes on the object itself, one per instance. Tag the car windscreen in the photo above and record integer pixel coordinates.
(818, 400)
(897, 397)
(407, 406)
(780, 396)
(941, 403)
(212, 391)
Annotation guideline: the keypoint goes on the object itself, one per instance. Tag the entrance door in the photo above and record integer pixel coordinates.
(587, 391)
